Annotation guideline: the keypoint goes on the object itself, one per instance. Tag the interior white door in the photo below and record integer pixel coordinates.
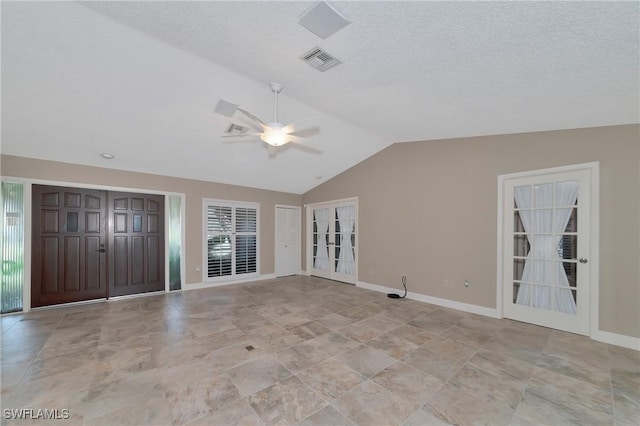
(333, 243)
(287, 241)
(546, 249)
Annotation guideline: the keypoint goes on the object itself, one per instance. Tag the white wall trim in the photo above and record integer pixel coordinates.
(452, 304)
(617, 339)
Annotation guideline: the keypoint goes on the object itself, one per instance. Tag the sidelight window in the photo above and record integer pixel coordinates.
(12, 247)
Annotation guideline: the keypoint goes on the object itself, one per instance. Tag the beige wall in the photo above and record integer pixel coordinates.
(428, 210)
(195, 191)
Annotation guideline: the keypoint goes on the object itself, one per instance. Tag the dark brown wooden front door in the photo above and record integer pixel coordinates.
(136, 252)
(69, 260)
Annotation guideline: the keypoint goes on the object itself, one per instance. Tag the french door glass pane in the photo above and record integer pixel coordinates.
(544, 240)
(520, 245)
(517, 287)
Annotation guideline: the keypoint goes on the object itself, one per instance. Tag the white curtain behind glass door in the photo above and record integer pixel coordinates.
(347, 220)
(322, 217)
(539, 224)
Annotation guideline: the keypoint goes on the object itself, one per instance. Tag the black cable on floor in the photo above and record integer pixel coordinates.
(397, 296)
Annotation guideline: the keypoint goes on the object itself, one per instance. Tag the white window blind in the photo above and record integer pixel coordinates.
(231, 239)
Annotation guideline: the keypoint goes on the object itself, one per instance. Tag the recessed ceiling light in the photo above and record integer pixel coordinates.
(107, 156)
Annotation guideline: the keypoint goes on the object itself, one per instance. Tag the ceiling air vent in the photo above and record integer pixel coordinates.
(319, 59)
(236, 129)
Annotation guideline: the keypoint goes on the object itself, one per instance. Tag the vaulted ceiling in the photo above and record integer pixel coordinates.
(140, 80)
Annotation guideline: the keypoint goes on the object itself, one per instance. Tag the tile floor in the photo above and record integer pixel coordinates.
(303, 350)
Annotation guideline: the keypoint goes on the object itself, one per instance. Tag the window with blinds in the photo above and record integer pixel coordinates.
(231, 241)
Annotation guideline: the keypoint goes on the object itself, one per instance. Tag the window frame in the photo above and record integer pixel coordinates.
(234, 205)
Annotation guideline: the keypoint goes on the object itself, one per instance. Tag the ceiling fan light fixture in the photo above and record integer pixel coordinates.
(274, 135)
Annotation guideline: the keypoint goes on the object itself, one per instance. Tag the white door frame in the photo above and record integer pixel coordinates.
(299, 230)
(594, 243)
(309, 233)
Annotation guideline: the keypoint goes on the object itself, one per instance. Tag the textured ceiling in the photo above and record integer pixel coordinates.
(141, 79)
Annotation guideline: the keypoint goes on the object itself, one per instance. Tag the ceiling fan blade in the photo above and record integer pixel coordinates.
(253, 117)
(240, 135)
(239, 141)
(304, 147)
(292, 127)
(305, 133)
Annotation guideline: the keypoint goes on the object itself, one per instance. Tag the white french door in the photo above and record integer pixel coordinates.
(332, 247)
(287, 255)
(546, 269)
(231, 240)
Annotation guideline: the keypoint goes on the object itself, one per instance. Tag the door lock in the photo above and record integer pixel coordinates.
(101, 250)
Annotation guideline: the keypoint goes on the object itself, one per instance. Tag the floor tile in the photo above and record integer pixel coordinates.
(460, 408)
(393, 345)
(370, 404)
(330, 379)
(425, 417)
(369, 328)
(335, 321)
(286, 402)
(308, 330)
(408, 382)
(466, 336)
(301, 357)
(333, 343)
(562, 399)
(193, 390)
(238, 413)
(327, 416)
(365, 360)
(257, 375)
(498, 389)
(427, 323)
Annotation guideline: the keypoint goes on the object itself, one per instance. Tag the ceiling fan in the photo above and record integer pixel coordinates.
(276, 134)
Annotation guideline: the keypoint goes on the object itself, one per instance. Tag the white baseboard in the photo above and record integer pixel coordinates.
(452, 304)
(197, 286)
(617, 339)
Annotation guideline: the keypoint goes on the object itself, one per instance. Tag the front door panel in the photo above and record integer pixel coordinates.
(68, 245)
(136, 253)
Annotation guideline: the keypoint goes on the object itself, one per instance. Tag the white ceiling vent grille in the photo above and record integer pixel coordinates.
(319, 59)
(236, 129)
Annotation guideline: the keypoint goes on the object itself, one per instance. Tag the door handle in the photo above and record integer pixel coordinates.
(582, 260)
(101, 250)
